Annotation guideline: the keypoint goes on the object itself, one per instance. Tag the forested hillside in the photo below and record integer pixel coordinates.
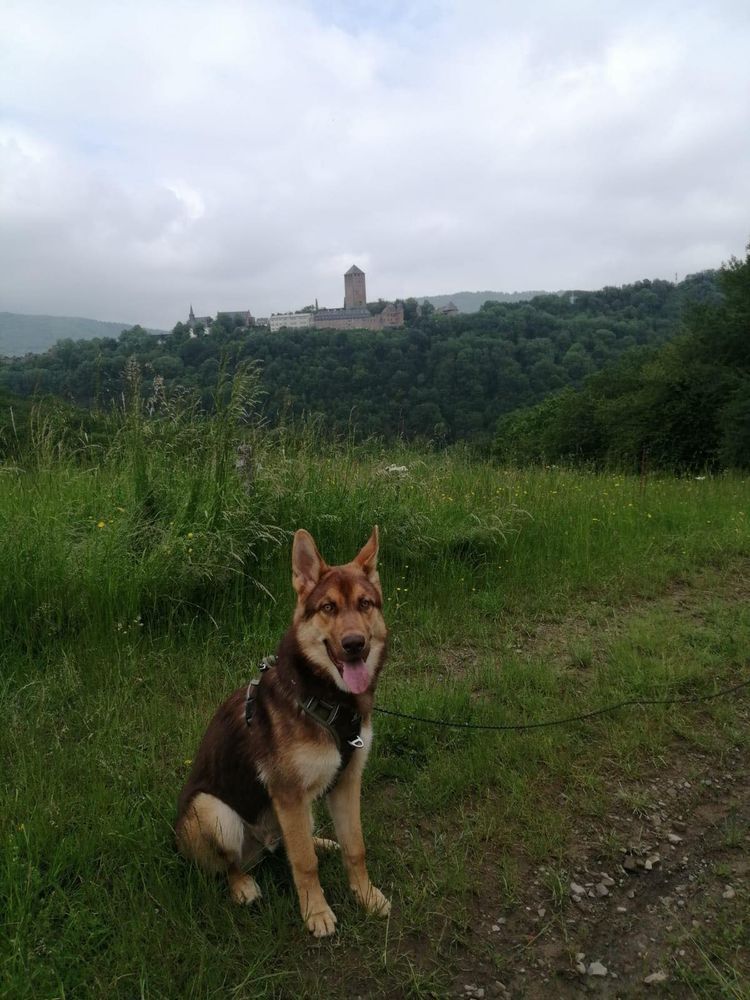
(25, 334)
(683, 406)
(446, 378)
(468, 302)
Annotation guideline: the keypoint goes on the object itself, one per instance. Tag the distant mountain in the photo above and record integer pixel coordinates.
(23, 334)
(471, 302)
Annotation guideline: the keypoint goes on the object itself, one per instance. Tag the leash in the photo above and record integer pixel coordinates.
(607, 709)
(326, 713)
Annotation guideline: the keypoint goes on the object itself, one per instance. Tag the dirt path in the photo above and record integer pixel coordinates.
(655, 899)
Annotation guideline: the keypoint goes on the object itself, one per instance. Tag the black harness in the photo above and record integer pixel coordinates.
(338, 719)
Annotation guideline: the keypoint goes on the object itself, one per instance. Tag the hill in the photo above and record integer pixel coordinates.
(684, 405)
(449, 378)
(21, 333)
(471, 302)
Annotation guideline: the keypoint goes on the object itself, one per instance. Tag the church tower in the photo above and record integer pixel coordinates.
(355, 295)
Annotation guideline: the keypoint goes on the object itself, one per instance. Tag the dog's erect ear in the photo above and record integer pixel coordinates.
(308, 564)
(367, 559)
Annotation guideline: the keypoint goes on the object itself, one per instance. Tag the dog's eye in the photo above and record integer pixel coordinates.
(365, 603)
(329, 607)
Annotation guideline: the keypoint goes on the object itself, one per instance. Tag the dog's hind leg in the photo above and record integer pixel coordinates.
(213, 835)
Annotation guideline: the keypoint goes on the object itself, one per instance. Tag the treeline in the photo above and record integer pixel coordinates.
(445, 378)
(684, 406)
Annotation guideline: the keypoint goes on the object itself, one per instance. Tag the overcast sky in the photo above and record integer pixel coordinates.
(242, 155)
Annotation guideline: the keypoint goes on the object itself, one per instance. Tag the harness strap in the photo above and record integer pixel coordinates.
(345, 731)
(343, 725)
(265, 664)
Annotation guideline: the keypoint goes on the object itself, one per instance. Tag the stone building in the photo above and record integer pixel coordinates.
(355, 293)
(449, 309)
(245, 317)
(193, 320)
(290, 321)
(355, 315)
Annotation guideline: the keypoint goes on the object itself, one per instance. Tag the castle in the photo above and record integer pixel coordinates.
(354, 316)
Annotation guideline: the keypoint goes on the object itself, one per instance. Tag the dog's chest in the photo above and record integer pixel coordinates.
(316, 766)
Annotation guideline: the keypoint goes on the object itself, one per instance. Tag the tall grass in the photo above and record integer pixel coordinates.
(143, 573)
(185, 515)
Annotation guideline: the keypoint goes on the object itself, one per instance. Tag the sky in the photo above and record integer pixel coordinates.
(242, 155)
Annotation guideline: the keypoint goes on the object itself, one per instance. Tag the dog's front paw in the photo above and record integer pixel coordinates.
(324, 844)
(321, 924)
(244, 890)
(373, 900)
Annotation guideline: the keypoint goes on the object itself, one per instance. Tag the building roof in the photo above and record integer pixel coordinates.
(354, 270)
(359, 313)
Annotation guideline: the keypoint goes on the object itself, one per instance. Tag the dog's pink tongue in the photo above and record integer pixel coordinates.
(356, 676)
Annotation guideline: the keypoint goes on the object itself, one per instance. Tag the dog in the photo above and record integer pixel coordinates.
(303, 730)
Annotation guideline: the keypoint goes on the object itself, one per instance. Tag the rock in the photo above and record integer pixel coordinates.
(580, 967)
(495, 928)
(597, 969)
(728, 893)
(674, 838)
(576, 889)
(679, 826)
(622, 909)
(629, 863)
(656, 977)
(606, 880)
(602, 890)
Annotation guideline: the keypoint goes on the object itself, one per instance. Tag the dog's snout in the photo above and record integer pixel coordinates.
(353, 644)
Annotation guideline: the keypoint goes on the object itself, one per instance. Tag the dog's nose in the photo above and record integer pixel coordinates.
(353, 643)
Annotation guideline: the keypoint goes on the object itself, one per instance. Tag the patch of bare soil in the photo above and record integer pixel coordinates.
(649, 890)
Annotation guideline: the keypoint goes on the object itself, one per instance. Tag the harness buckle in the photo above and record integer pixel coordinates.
(357, 742)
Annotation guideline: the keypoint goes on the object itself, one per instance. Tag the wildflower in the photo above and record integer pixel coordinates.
(101, 524)
(190, 534)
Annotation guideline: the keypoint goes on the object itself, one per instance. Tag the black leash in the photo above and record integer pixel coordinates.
(517, 727)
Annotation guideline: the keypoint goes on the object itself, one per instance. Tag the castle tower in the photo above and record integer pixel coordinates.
(355, 295)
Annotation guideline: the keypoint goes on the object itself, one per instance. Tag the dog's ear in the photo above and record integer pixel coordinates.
(367, 559)
(308, 564)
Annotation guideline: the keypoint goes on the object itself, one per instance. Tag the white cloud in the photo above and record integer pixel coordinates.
(244, 154)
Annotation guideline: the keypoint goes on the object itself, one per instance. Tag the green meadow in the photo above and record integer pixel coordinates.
(145, 573)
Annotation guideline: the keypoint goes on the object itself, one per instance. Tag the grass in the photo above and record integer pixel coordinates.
(141, 581)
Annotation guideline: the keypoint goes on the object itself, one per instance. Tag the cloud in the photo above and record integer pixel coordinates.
(243, 154)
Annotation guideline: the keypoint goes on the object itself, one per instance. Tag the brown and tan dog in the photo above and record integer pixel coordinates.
(304, 731)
